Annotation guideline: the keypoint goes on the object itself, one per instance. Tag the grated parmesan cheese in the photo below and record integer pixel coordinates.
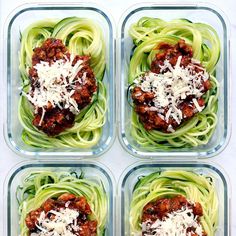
(197, 105)
(63, 223)
(173, 86)
(56, 85)
(170, 129)
(175, 224)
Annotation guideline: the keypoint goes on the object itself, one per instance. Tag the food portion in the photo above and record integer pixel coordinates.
(66, 215)
(172, 91)
(63, 99)
(168, 216)
(174, 202)
(61, 85)
(172, 83)
(61, 203)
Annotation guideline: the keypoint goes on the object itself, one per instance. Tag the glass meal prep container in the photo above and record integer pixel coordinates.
(195, 13)
(133, 173)
(94, 171)
(21, 18)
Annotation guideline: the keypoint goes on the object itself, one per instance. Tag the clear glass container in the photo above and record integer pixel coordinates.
(18, 20)
(92, 170)
(143, 168)
(196, 13)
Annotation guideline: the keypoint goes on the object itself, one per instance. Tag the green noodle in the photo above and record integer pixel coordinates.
(82, 37)
(147, 33)
(39, 186)
(192, 186)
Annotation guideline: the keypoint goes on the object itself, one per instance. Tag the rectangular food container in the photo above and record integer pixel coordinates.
(196, 13)
(18, 20)
(94, 171)
(134, 172)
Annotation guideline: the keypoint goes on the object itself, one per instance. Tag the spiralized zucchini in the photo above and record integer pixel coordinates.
(39, 186)
(147, 33)
(192, 186)
(82, 37)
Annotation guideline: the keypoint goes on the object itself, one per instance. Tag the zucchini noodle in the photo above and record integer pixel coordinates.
(39, 186)
(192, 186)
(147, 34)
(82, 37)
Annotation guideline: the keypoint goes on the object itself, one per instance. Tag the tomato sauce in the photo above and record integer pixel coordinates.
(86, 227)
(54, 120)
(160, 209)
(151, 119)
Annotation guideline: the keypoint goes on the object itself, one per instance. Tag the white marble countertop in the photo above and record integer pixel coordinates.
(116, 158)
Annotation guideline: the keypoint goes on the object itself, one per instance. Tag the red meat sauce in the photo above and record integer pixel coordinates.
(55, 119)
(150, 119)
(160, 208)
(86, 227)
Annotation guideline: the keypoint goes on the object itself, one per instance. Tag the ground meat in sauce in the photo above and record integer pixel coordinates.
(160, 208)
(86, 227)
(150, 118)
(55, 119)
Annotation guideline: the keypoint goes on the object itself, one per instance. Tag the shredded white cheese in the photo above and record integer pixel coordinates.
(171, 87)
(175, 224)
(56, 84)
(62, 224)
(197, 105)
(170, 129)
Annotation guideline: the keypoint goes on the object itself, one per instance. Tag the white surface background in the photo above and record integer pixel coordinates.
(116, 158)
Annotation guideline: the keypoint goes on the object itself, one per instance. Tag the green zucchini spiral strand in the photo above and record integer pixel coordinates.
(82, 37)
(147, 33)
(39, 186)
(166, 184)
